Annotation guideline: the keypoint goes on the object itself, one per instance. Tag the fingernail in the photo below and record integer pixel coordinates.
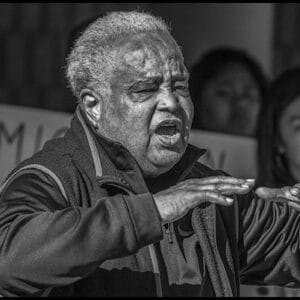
(294, 191)
(251, 180)
(229, 200)
(245, 185)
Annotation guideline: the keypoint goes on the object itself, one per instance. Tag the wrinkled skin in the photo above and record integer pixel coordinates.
(148, 86)
(148, 90)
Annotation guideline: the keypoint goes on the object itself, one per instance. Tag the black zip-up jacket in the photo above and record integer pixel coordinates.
(96, 230)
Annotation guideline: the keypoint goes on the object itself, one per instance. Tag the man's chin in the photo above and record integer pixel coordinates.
(164, 163)
(161, 159)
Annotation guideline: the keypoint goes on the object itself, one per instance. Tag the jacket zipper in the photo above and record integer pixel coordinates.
(220, 261)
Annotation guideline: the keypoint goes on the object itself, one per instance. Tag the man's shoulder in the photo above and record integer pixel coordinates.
(55, 155)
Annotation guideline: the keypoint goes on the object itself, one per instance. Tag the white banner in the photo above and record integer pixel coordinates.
(23, 131)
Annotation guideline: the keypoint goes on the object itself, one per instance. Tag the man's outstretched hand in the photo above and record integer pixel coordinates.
(288, 194)
(176, 201)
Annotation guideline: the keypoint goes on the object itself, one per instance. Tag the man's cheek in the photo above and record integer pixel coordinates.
(188, 115)
(188, 106)
(191, 116)
(121, 110)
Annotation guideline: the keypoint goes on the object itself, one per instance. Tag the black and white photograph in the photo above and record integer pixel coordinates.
(149, 149)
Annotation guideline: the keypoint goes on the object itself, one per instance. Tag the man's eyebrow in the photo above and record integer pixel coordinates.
(148, 79)
(158, 79)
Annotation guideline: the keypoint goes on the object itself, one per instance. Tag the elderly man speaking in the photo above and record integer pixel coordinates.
(120, 206)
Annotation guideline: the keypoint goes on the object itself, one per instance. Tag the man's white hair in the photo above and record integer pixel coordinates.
(90, 61)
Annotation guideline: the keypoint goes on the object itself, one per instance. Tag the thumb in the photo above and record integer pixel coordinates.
(267, 193)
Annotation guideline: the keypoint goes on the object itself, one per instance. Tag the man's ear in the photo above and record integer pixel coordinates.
(92, 105)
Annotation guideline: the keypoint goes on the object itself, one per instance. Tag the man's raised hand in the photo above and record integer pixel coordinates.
(286, 194)
(176, 201)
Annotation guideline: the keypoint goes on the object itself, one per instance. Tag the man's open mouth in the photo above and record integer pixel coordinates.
(169, 131)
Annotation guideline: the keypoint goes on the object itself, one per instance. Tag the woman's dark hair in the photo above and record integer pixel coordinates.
(271, 164)
(212, 63)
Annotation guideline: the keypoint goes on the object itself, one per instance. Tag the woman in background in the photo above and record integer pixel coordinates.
(279, 132)
(278, 148)
(227, 87)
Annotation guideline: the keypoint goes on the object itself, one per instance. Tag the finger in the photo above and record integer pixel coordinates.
(221, 179)
(225, 189)
(291, 193)
(240, 190)
(213, 197)
(295, 190)
(267, 193)
(283, 194)
(294, 205)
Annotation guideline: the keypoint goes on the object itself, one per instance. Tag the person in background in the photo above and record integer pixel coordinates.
(279, 132)
(227, 87)
(278, 148)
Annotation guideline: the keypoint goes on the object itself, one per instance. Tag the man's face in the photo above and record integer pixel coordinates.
(149, 110)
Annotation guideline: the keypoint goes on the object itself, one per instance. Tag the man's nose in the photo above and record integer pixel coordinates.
(168, 101)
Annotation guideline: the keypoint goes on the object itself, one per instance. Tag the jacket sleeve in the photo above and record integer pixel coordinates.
(45, 243)
(269, 243)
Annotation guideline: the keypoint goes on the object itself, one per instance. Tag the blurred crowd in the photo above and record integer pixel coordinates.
(232, 95)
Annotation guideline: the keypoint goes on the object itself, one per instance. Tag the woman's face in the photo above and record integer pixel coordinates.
(230, 102)
(289, 130)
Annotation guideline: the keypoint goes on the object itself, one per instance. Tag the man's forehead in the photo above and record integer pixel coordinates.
(146, 60)
(148, 51)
